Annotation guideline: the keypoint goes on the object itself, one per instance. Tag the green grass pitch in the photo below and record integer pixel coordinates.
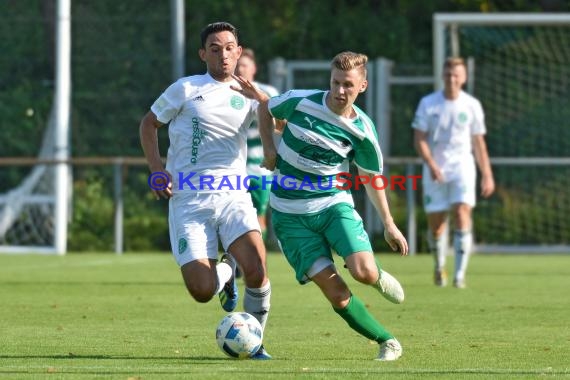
(86, 316)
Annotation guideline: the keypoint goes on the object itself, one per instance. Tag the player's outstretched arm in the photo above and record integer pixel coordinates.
(266, 127)
(248, 89)
(266, 124)
(392, 234)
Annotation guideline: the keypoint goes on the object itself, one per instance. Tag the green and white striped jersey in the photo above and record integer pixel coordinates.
(316, 146)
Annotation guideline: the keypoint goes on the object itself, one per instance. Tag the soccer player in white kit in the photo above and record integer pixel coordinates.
(206, 167)
(449, 129)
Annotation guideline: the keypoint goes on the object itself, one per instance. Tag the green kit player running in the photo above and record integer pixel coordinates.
(312, 213)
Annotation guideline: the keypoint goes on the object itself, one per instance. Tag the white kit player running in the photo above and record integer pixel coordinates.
(449, 136)
(206, 159)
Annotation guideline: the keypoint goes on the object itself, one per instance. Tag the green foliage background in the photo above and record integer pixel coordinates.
(121, 62)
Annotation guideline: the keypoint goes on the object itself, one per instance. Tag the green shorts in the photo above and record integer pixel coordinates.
(306, 238)
(260, 195)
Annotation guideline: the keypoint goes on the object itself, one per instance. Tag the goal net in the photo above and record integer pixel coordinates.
(520, 70)
(27, 210)
(34, 214)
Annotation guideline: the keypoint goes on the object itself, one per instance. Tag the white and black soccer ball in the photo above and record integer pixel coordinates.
(239, 335)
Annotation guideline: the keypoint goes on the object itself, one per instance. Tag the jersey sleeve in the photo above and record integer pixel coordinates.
(421, 119)
(282, 107)
(367, 152)
(478, 125)
(169, 103)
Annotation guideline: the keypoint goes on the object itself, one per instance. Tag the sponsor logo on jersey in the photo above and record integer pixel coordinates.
(182, 245)
(197, 134)
(199, 98)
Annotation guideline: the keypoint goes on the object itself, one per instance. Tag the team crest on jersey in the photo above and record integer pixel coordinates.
(462, 117)
(182, 245)
(237, 102)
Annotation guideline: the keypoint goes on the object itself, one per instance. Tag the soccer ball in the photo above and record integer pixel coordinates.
(239, 335)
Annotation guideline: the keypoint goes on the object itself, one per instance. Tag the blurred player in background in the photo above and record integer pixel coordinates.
(208, 132)
(323, 133)
(247, 69)
(449, 135)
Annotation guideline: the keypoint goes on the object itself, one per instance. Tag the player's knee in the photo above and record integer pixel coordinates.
(254, 276)
(254, 273)
(365, 275)
(339, 299)
(200, 292)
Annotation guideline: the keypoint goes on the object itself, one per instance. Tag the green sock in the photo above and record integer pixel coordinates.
(361, 321)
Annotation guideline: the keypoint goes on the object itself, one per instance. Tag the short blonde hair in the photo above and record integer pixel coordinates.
(348, 60)
(451, 62)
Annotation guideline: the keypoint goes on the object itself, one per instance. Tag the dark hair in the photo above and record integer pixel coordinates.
(217, 27)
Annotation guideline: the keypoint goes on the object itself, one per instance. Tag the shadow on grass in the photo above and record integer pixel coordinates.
(114, 357)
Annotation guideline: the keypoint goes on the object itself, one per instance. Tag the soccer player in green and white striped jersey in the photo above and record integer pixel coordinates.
(313, 212)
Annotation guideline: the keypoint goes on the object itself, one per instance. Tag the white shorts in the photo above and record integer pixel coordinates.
(458, 188)
(197, 220)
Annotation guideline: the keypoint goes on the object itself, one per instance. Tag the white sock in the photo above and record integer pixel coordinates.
(438, 249)
(224, 272)
(256, 302)
(462, 242)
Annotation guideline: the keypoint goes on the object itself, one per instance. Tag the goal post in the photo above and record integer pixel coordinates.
(520, 70)
(447, 24)
(62, 117)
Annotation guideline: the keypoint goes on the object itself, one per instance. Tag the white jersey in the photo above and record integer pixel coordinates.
(450, 125)
(254, 147)
(208, 132)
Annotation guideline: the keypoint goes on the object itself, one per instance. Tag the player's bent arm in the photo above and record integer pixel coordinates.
(392, 234)
(484, 164)
(266, 127)
(149, 141)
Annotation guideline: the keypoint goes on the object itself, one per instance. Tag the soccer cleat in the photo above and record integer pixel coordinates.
(390, 350)
(459, 283)
(229, 294)
(440, 277)
(261, 354)
(390, 288)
